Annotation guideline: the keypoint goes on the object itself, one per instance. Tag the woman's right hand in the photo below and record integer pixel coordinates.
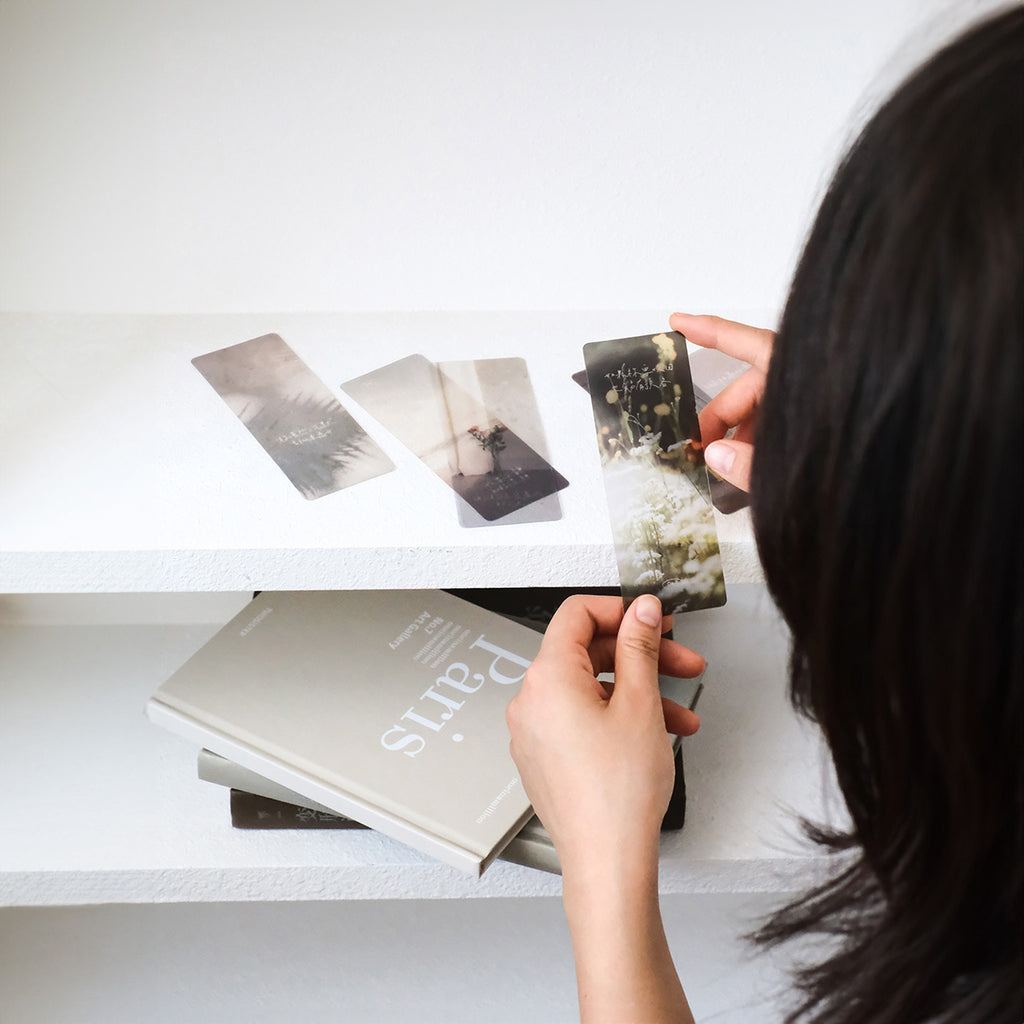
(736, 405)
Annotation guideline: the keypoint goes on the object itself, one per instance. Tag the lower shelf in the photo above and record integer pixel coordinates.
(102, 807)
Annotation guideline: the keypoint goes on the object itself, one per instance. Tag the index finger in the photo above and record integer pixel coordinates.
(735, 404)
(751, 344)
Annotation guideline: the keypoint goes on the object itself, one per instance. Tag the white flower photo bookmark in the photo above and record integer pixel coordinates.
(663, 524)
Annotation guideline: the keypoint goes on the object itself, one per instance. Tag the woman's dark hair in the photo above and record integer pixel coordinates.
(887, 501)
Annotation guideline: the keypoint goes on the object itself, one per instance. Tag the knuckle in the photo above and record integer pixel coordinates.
(584, 604)
(644, 646)
(530, 679)
(512, 714)
(574, 604)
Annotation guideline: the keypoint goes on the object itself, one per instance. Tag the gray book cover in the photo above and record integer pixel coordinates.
(385, 706)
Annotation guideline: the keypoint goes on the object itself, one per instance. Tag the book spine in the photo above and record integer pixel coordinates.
(532, 851)
(219, 770)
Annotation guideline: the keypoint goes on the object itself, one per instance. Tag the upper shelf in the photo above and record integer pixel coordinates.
(123, 470)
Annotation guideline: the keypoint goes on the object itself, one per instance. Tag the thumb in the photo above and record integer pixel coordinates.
(731, 461)
(637, 646)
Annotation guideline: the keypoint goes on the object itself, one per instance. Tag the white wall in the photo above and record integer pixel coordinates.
(240, 155)
(288, 155)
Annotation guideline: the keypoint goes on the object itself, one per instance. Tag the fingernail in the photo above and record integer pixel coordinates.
(720, 456)
(648, 609)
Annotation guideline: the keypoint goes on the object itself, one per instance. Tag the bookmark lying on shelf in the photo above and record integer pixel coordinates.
(663, 525)
(290, 411)
(475, 424)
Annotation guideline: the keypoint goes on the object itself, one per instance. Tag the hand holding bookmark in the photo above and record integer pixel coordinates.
(736, 406)
(598, 768)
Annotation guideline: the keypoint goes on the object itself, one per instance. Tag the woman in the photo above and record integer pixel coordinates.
(886, 493)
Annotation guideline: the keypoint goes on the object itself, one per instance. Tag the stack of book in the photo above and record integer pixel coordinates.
(258, 803)
(377, 709)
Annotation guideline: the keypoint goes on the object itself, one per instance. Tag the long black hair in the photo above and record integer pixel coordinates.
(887, 500)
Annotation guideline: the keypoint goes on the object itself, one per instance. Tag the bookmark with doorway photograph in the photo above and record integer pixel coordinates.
(300, 424)
(498, 392)
(469, 422)
(659, 500)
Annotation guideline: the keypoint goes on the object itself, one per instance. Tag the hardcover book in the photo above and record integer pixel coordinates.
(258, 803)
(384, 706)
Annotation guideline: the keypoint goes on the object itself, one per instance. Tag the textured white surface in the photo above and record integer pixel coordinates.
(124, 471)
(446, 962)
(105, 807)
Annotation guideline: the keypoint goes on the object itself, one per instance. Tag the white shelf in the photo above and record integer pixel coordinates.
(101, 806)
(124, 471)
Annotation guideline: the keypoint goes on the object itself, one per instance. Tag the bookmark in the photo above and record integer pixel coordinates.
(663, 524)
(465, 421)
(290, 411)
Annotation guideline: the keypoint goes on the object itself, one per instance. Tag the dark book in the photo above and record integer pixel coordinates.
(249, 810)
